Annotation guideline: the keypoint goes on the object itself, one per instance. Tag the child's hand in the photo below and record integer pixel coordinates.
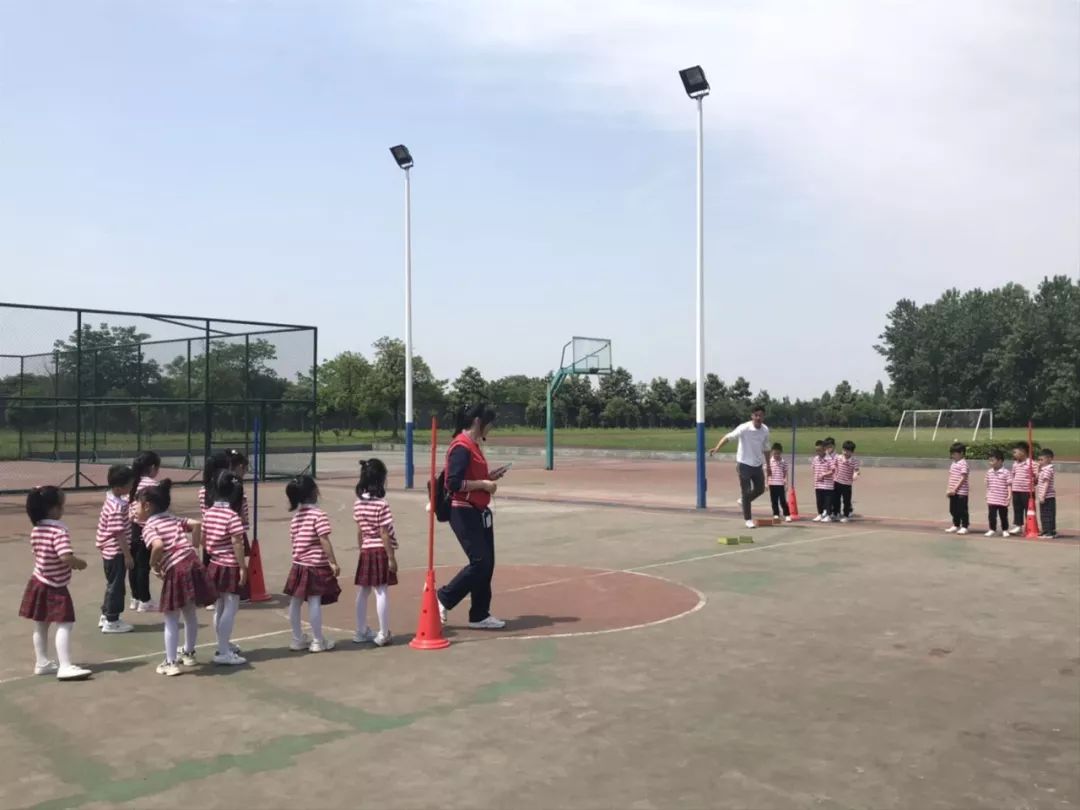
(243, 575)
(160, 574)
(949, 493)
(78, 564)
(129, 563)
(336, 569)
(393, 565)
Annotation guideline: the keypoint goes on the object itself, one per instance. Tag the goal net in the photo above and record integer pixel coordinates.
(949, 421)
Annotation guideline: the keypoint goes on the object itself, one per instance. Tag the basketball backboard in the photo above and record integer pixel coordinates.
(584, 355)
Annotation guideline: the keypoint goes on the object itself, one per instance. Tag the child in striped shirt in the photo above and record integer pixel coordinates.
(998, 482)
(377, 567)
(830, 454)
(46, 599)
(314, 572)
(223, 540)
(185, 585)
(847, 471)
(778, 472)
(1046, 493)
(1023, 484)
(144, 470)
(958, 490)
(824, 471)
(114, 542)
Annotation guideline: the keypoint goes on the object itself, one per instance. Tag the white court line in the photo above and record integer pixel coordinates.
(154, 654)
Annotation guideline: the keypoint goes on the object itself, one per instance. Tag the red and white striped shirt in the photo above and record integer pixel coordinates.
(144, 483)
(114, 527)
(824, 469)
(171, 533)
(243, 507)
(777, 472)
(220, 525)
(307, 526)
(1046, 482)
(846, 469)
(1022, 474)
(958, 477)
(372, 515)
(50, 540)
(997, 486)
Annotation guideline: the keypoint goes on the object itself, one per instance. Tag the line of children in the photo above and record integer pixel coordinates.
(113, 541)
(223, 544)
(834, 480)
(144, 471)
(1005, 487)
(376, 568)
(314, 572)
(778, 477)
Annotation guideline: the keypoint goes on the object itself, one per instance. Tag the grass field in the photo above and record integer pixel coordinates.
(869, 441)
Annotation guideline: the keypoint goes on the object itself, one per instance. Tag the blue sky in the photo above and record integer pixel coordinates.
(230, 158)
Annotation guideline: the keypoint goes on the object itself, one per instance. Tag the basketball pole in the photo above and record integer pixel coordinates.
(702, 483)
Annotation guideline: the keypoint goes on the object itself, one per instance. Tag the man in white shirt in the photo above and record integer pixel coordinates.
(752, 458)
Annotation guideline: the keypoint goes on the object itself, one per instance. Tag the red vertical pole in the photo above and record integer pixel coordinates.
(431, 496)
(429, 630)
(1031, 523)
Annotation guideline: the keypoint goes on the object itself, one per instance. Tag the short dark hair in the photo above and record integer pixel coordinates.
(1046, 451)
(819, 443)
(1022, 446)
(849, 445)
(997, 454)
(758, 409)
(778, 446)
(120, 475)
(958, 447)
(42, 500)
(158, 496)
(301, 490)
(830, 441)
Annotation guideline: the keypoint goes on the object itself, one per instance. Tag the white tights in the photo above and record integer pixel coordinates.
(63, 643)
(224, 618)
(314, 609)
(382, 607)
(172, 631)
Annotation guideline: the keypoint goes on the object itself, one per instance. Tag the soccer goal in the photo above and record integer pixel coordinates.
(973, 419)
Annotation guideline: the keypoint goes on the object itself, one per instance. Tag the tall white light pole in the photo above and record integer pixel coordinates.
(405, 162)
(697, 87)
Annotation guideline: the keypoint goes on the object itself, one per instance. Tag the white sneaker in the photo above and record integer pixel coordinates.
(102, 621)
(775, 517)
(961, 531)
(442, 610)
(1015, 530)
(72, 673)
(235, 649)
(990, 533)
(1005, 534)
(365, 636)
(116, 627)
(787, 519)
(817, 518)
(188, 659)
(490, 623)
(168, 668)
(383, 639)
(211, 607)
(750, 524)
(48, 668)
(147, 607)
(951, 530)
(133, 604)
(300, 644)
(325, 645)
(738, 501)
(231, 659)
(826, 519)
(843, 520)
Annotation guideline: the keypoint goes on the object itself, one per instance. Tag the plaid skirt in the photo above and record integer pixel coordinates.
(305, 581)
(373, 569)
(226, 578)
(186, 582)
(44, 603)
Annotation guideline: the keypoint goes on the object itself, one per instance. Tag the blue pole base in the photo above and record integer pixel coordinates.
(702, 483)
(410, 470)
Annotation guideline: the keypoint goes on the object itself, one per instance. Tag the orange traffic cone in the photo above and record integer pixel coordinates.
(1031, 526)
(793, 504)
(429, 635)
(256, 580)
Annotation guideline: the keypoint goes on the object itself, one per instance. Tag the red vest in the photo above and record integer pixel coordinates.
(477, 471)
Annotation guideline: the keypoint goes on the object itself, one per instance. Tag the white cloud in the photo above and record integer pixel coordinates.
(948, 128)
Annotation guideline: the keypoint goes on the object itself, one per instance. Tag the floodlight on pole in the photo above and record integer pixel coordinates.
(404, 161)
(697, 87)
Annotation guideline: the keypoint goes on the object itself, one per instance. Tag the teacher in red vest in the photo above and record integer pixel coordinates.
(471, 485)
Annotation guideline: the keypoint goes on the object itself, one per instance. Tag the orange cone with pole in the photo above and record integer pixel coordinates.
(256, 580)
(793, 504)
(1031, 524)
(429, 630)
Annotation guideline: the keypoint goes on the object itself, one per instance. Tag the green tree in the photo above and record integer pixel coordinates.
(113, 363)
(469, 388)
(342, 388)
(386, 383)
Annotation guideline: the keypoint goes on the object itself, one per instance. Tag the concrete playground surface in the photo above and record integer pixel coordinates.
(877, 664)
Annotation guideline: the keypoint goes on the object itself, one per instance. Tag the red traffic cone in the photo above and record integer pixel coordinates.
(1031, 526)
(256, 580)
(429, 635)
(793, 504)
